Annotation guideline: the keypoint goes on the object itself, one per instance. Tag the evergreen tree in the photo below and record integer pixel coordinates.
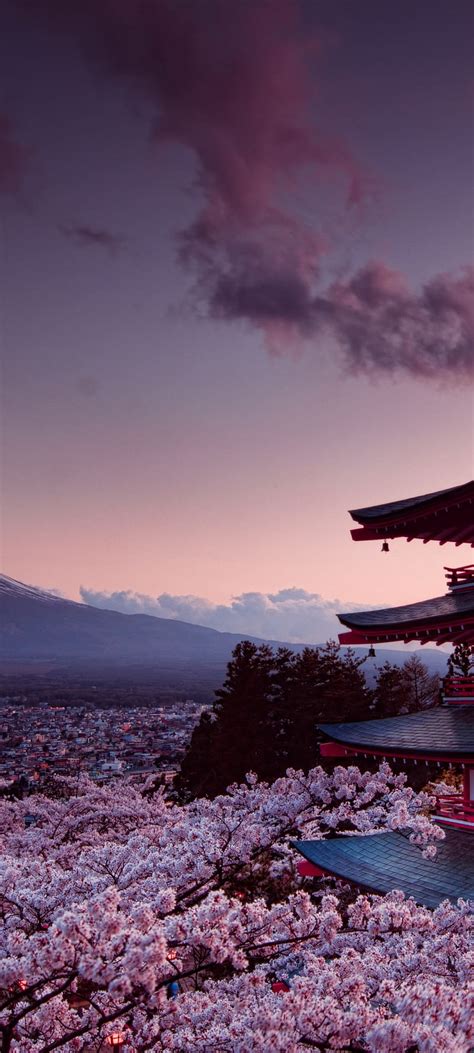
(461, 661)
(328, 686)
(391, 691)
(230, 740)
(265, 715)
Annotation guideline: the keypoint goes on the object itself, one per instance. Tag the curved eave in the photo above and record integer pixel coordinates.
(386, 861)
(451, 633)
(443, 619)
(442, 733)
(445, 515)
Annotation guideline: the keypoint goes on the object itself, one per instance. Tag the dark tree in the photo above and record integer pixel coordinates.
(328, 686)
(461, 661)
(231, 739)
(421, 685)
(265, 715)
(405, 689)
(391, 692)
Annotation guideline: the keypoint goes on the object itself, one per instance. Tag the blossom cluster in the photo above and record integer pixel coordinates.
(130, 920)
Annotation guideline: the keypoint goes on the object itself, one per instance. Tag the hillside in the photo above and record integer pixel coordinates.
(39, 629)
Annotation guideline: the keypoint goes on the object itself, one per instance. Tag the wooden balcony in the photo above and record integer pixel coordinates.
(454, 809)
(458, 689)
(460, 578)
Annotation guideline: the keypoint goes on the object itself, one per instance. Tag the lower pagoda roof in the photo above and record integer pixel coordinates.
(387, 861)
(443, 515)
(443, 619)
(442, 732)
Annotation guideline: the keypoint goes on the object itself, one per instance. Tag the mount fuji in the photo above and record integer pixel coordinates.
(38, 628)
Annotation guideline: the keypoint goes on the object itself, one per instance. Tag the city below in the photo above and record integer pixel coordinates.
(38, 742)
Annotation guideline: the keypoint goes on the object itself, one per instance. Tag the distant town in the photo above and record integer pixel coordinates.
(41, 741)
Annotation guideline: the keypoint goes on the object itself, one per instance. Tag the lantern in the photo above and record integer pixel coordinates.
(279, 987)
(307, 869)
(116, 1039)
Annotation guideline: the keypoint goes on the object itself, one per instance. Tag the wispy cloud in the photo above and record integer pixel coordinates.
(294, 615)
(95, 237)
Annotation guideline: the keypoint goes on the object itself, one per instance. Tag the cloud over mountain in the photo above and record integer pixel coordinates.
(290, 614)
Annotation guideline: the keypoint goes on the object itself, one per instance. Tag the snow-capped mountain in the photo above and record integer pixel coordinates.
(36, 625)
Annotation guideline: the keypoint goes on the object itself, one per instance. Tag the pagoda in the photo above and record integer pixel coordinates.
(443, 735)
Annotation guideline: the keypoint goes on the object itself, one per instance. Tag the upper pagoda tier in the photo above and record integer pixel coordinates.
(445, 515)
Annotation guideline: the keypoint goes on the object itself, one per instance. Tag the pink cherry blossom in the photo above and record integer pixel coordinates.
(116, 892)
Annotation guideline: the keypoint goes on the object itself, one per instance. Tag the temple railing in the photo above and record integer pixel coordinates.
(460, 578)
(454, 807)
(458, 689)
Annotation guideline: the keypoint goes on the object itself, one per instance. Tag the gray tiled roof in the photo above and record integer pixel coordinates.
(373, 512)
(382, 862)
(444, 730)
(451, 605)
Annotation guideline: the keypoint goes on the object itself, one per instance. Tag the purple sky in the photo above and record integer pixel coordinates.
(235, 298)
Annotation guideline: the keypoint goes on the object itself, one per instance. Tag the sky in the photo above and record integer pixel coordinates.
(236, 299)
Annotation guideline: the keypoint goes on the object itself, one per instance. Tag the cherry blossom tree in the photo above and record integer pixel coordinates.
(128, 920)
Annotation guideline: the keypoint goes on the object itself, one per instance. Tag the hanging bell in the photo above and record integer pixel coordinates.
(385, 547)
(371, 652)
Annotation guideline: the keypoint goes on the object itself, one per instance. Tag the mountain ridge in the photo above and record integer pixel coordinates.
(37, 625)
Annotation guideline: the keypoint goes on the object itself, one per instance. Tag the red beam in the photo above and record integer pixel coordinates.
(442, 632)
(391, 754)
(332, 749)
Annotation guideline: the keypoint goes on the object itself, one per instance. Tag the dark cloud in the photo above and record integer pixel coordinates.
(234, 83)
(382, 325)
(13, 158)
(95, 237)
(379, 324)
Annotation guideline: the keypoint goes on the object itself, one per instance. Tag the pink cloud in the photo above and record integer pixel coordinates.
(380, 325)
(234, 83)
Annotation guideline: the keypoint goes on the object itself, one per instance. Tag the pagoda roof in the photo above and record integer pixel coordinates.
(444, 619)
(443, 515)
(444, 731)
(386, 861)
